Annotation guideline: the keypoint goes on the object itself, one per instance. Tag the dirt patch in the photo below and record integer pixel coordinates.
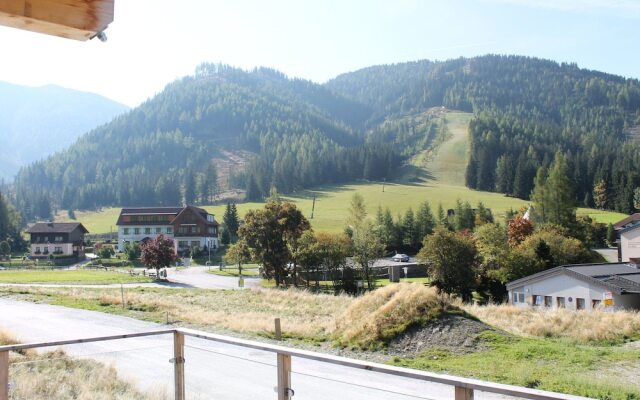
(451, 332)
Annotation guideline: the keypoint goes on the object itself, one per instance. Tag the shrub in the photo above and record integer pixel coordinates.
(377, 317)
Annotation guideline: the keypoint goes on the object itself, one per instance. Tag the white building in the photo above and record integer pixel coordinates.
(189, 226)
(580, 287)
(629, 242)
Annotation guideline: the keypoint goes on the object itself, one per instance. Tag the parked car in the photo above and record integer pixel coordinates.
(400, 258)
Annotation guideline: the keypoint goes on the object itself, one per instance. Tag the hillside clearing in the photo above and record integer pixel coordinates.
(332, 204)
(445, 169)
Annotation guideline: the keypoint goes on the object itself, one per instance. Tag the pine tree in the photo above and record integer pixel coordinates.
(425, 221)
(553, 194)
(189, 188)
(211, 182)
(408, 232)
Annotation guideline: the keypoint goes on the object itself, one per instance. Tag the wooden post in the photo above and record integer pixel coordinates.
(284, 377)
(4, 375)
(178, 364)
(313, 206)
(278, 332)
(463, 393)
(122, 296)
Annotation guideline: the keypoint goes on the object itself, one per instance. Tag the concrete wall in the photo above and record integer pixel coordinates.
(630, 244)
(132, 237)
(67, 249)
(569, 287)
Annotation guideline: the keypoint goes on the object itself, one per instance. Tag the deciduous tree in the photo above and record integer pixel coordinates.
(451, 262)
(158, 253)
(270, 232)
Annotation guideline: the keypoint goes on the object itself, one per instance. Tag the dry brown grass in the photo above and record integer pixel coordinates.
(55, 375)
(581, 326)
(378, 316)
(303, 314)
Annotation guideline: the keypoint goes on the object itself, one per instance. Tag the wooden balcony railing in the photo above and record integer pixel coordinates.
(464, 387)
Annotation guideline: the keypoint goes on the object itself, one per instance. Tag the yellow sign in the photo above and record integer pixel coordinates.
(608, 302)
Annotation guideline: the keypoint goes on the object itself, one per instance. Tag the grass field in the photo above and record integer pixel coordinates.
(547, 364)
(332, 204)
(446, 169)
(69, 277)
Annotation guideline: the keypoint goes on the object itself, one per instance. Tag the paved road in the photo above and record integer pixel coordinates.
(198, 277)
(192, 277)
(213, 370)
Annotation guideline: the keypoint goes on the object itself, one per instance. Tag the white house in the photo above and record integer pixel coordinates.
(189, 226)
(580, 287)
(629, 242)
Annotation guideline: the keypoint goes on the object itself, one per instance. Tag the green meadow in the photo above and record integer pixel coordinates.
(436, 176)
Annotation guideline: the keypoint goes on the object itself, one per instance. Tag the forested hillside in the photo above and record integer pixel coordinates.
(361, 125)
(35, 122)
(525, 110)
(300, 133)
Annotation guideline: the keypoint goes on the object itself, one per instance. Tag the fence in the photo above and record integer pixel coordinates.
(463, 388)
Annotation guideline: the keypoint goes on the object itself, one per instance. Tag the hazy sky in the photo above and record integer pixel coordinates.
(153, 42)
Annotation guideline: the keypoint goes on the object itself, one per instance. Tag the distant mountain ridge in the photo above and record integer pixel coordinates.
(359, 125)
(36, 122)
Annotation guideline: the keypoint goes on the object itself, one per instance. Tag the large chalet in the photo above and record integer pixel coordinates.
(190, 227)
(57, 239)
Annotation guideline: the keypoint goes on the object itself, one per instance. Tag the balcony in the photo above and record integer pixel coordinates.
(198, 364)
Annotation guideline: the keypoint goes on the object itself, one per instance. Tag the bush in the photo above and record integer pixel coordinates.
(377, 317)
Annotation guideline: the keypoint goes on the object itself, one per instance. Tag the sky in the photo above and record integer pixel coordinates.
(153, 42)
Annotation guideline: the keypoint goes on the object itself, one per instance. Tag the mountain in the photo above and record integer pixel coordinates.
(295, 134)
(35, 122)
(526, 110)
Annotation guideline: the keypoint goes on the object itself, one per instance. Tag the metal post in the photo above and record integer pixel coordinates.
(178, 364)
(284, 377)
(463, 393)
(4, 375)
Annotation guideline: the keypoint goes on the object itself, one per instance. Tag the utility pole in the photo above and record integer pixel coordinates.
(313, 206)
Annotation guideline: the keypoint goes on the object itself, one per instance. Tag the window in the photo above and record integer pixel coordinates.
(147, 231)
(58, 250)
(537, 300)
(158, 230)
(195, 243)
(125, 231)
(579, 303)
(518, 297)
(183, 244)
(548, 301)
(136, 231)
(560, 302)
(58, 239)
(182, 229)
(195, 229)
(37, 250)
(169, 229)
(595, 304)
(212, 230)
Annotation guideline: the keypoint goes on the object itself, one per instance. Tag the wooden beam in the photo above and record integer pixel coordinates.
(72, 19)
(462, 393)
(284, 377)
(178, 365)
(4, 375)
